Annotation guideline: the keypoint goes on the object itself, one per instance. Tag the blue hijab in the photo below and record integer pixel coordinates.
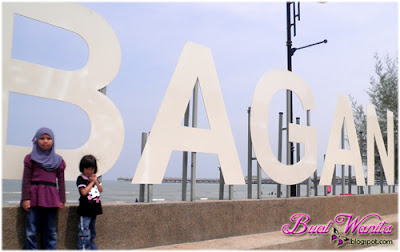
(49, 160)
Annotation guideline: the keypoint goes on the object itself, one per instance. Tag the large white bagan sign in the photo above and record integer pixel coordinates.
(194, 66)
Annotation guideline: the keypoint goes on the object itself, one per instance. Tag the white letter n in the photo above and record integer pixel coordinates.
(387, 158)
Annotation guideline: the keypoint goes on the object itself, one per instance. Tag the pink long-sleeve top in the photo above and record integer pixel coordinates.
(39, 186)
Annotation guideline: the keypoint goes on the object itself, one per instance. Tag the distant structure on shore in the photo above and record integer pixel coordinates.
(216, 181)
(179, 180)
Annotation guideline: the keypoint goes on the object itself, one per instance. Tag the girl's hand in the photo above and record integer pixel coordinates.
(26, 205)
(61, 207)
(93, 178)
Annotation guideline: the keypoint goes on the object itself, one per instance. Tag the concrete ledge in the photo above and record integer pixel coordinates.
(144, 225)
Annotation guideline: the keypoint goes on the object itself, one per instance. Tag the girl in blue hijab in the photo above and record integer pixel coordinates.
(43, 169)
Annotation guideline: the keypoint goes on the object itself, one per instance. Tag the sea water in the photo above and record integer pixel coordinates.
(125, 192)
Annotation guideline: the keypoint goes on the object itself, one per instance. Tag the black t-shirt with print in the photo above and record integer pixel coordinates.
(89, 205)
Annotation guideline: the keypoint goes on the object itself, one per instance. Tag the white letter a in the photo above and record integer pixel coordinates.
(334, 155)
(167, 134)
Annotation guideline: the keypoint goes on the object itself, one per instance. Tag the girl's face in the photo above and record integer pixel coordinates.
(88, 171)
(45, 142)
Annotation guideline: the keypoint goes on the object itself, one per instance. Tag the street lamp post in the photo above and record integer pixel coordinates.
(289, 105)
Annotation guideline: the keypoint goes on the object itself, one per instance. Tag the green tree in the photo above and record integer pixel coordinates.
(360, 120)
(383, 94)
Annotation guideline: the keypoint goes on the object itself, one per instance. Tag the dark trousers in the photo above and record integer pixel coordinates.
(46, 217)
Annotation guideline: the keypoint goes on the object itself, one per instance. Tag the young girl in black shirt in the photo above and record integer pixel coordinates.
(89, 202)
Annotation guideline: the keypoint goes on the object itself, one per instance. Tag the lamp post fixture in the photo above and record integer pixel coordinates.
(290, 52)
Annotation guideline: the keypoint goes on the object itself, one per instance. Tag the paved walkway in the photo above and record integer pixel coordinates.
(270, 241)
(278, 240)
(246, 242)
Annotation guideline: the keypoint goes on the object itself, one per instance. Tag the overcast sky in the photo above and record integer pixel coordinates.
(246, 40)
